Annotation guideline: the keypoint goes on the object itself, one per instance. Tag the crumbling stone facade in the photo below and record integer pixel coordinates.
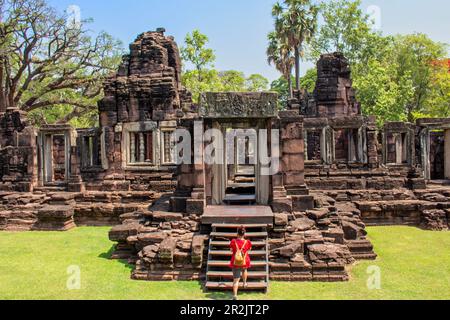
(337, 173)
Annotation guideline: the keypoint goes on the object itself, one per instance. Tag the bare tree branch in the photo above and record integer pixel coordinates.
(45, 61)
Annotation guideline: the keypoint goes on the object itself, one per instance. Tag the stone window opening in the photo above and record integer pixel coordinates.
(437, 155)
(140, 145)
(167, 146)
(91, 152)
(148, 145)
(314, 146)
(141, 148)
(397, 148)
(349, 145)
(54, 154)
(58, 157)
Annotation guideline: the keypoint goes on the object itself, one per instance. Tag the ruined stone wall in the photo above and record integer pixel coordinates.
(163, 245)
(334, 95)
(145, 95)
(345, 148)
(18, 160)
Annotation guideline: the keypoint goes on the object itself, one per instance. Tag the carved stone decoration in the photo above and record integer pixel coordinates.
(238, 105)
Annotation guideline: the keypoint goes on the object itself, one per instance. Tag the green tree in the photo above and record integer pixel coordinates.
(296, 23)
(196, 52)
(282, 87)
(232, 81)
(256, 83)
(280, 54)
(438, 102)
(49, 64)
(309, 80)
(346, 29)
(209, 82)
(204, 78)
(395, 76)
(405, 83)
(416, 55)
(381, 92)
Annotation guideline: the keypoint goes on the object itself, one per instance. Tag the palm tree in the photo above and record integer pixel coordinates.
(296, 23)
(280, 54)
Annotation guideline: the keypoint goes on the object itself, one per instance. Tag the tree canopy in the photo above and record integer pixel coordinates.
(295, 26)
(49, 65)
(205, 78)
(398, 78)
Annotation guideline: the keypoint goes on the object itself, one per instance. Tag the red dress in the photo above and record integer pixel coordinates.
(237, 244)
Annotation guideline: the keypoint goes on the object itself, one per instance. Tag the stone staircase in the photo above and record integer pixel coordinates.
(242, 189)
(361, 249)
(219, 276)
(51, 187)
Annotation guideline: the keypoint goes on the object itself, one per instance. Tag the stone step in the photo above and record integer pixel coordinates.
(248, 173)
(226, 263)
(252, 286)
(229, 253)
(244, 180)
(49, 189)
(227, 244)
(238, 215)
(236, 226)
(241, 185)
(232, 235)
(229, 275)
(239, 198)
(360, 245)
(364, 256)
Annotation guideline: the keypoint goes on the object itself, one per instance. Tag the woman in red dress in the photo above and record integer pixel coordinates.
(240, 271)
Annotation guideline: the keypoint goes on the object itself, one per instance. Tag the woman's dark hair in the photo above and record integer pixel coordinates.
(241, 231)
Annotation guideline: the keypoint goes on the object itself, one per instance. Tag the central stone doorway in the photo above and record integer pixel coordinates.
(238, 179)
(240, 164)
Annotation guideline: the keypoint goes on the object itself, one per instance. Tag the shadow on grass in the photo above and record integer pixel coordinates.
(214, 295)
(107, 255)
(221, 295)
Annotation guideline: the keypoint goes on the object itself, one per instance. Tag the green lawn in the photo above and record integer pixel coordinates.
(414, 264)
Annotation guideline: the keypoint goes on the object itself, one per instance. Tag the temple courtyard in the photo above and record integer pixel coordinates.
(414, 264)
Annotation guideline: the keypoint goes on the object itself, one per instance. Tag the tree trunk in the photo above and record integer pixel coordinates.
(2, 91)
(289, 79)
(297, 68)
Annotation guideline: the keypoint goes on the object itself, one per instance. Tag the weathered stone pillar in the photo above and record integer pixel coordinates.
(132, 148)
(372, 143)
(447, 154)
(75, 183)
(190, 194)
(48, 158)
(293, 163)
(141, 148)
(398, 148)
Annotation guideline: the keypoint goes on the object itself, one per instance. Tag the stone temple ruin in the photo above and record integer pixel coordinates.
(338, 173)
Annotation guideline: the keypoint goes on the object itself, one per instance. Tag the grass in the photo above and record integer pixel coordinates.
(414, 264)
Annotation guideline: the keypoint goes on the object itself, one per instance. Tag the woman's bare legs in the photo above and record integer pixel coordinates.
(235, 287)
(245, 277)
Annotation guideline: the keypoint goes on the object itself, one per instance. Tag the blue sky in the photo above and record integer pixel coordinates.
(237, 28)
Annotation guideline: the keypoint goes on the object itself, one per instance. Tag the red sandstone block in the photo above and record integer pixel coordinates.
(292, 179)
(293, 146)
(292, 162)
(292, 131)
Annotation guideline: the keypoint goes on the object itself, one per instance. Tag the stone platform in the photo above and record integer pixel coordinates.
(238, 215)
